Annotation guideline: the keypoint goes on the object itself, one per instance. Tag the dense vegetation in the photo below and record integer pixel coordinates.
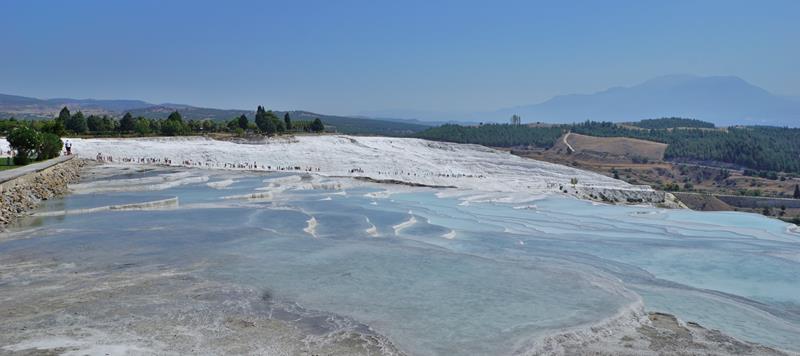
(31, 144)
(497, 135)
(672, 122)
(755, 147)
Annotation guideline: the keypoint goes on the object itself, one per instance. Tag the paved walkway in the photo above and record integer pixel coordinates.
(10, 174)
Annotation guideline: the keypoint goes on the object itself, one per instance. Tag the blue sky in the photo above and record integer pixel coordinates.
(345, 57)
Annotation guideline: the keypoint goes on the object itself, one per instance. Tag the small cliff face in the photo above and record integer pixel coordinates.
(21, 194)
(614, 195)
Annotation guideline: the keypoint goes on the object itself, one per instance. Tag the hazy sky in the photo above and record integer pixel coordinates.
(345, 57)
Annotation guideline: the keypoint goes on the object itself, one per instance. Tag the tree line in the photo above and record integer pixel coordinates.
(496, 135)
(41, 139)
(672, 122)
(265, 122)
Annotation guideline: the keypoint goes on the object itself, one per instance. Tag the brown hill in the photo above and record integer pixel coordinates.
(618, 149)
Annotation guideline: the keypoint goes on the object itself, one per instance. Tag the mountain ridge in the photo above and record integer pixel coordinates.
(724, 100)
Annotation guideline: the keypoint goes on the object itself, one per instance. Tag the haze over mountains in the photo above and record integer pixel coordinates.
(723, 100)
(31, 108)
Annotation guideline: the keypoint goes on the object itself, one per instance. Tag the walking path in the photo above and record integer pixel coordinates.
(10, 174)
(567, 143)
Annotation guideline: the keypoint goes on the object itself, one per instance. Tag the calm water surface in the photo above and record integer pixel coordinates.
(436, 275)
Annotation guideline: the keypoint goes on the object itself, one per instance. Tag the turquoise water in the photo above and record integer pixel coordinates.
(440, 277)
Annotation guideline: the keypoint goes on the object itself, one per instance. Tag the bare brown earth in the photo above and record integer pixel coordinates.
(703, 202)
(700, 187)
(618, 148)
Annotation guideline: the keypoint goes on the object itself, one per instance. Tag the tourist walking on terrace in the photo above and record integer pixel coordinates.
(68, 146)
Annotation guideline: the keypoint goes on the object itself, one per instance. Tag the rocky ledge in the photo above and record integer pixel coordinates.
(635, 195)
(20, 194)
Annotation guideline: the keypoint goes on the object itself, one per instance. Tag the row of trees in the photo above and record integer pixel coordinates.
(266, 122)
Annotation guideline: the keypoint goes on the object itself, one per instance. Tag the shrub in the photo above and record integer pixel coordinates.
(172, 127)
(142, 126)
(50, 146)
(317, 125)
(26, 142)
(54, 127)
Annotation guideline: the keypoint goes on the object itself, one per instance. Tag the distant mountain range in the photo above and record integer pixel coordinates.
(31, 108)
(723, 100)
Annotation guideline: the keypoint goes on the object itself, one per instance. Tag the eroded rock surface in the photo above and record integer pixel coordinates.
(21, 194)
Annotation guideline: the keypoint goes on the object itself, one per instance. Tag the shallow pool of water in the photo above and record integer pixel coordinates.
(435, 275)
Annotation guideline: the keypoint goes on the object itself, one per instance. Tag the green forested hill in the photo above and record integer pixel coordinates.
(497, 135)
(755, 147)
(672, 122)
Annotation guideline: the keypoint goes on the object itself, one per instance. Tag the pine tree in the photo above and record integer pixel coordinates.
(269, 126)
(94, 123)
(317, 126)
(243, 122)
(77, 123)
(127, 124)
(279, 127)
(63, 116)
(173, 125)
(175, 116)
(288, 121)
(262, 119)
